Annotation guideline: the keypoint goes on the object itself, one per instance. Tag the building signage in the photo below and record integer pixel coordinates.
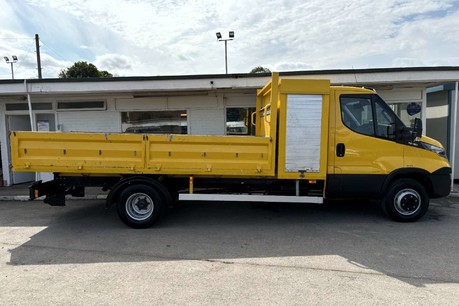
(413, 108)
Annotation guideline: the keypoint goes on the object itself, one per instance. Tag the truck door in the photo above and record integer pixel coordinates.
(365, 150)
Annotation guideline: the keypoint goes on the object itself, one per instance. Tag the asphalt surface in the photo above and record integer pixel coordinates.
(222, 254)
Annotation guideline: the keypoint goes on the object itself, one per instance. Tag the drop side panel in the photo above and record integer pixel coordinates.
(232, 156)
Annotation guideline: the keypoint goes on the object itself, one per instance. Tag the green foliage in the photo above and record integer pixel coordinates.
(81, 70)
(260, 69)
(105, 74)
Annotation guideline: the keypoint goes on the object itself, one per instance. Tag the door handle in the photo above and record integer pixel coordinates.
(340, 149)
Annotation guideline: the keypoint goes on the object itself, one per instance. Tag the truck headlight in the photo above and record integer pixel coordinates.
(435, 149)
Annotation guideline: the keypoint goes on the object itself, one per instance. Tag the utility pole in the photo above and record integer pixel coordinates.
(37, 48)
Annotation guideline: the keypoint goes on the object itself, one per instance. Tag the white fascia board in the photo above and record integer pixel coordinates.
(134, 85)
(11, 89)
(402, 77)
(195, 84)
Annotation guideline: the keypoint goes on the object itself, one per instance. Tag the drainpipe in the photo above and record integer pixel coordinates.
(29, 102)
(32, 121)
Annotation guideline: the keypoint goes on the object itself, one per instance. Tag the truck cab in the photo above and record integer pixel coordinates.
(375, 155)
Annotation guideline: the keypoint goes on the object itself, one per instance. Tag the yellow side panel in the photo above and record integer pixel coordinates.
(305, 87)
(93, 153)
(77, 152)
(210, 155)
(420, 158)
(366, 154)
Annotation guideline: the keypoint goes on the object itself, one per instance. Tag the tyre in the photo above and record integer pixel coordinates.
(406, 200)
(140, 206)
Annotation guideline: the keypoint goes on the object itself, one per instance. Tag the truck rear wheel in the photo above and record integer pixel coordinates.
(140, 206)
(406, 200)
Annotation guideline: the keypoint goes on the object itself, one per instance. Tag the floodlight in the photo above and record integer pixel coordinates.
(220, 38)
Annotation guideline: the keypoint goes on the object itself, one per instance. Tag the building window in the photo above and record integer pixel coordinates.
(25, 106)
(239, 121)
(80, 105)
(155, 122)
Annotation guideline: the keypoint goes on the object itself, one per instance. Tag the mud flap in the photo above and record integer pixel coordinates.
(53, 190)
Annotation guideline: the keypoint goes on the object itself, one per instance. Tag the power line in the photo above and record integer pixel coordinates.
(54, 51)
(16, 38)
(18, 65)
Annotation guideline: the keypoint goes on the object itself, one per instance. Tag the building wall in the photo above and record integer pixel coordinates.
(206, 121)
(437, 116)
(455, 106)
(89, 121)
(440, 110)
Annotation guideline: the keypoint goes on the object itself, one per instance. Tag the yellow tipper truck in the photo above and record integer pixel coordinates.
(313, 142)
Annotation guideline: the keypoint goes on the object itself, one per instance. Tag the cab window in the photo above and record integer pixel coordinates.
(385, 119)
(368, 115)
(357, 114)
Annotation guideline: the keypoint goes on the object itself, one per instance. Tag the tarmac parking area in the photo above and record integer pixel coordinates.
(214, 254)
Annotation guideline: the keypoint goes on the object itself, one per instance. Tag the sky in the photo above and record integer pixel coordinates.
(177, 37)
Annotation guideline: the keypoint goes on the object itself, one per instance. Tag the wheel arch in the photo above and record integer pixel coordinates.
(152, 182)
(420, 175)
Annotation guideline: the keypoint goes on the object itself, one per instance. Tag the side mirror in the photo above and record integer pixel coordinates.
(417, 129)
(392, 131)
(400, 133)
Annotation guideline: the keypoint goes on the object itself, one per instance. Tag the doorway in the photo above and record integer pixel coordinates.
(18, 123)
(45, 123)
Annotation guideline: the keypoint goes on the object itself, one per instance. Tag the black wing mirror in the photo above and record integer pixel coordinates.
(417, 129)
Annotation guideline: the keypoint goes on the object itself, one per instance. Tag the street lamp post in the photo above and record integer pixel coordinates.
(12, 61)
(220, 38)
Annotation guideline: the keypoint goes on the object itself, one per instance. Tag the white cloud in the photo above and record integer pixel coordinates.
(117, 64)
(140, 37)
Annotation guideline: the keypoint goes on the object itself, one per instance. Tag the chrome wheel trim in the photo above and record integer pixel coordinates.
(407, 202)
(139, 206)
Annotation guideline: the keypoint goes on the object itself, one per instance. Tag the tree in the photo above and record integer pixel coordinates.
(105, 74)
(81, 70)
(260, 69)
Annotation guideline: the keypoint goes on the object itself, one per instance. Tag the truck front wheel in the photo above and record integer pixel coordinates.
(140, 206)
(406, 200)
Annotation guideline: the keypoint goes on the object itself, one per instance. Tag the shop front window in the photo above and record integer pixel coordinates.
(155, 122)
(239, 121)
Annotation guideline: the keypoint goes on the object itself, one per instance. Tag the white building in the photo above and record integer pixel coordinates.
(203, 104)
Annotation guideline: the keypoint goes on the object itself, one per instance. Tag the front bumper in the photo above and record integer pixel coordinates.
(441, 182)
